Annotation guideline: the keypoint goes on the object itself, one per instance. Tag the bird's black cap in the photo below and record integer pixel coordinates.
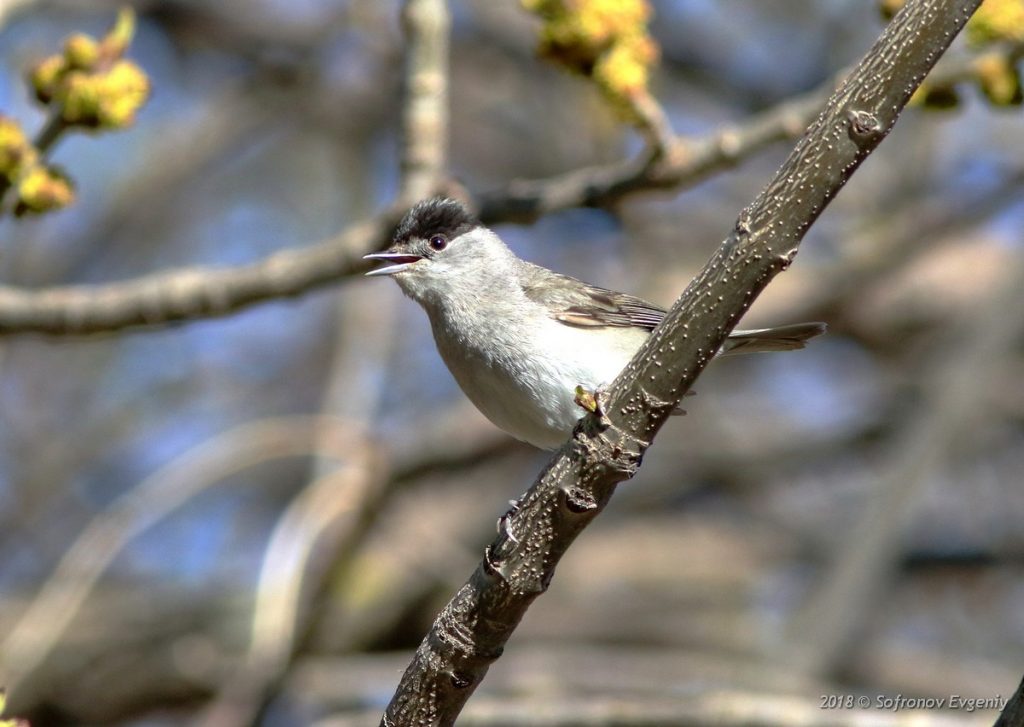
(436, 216)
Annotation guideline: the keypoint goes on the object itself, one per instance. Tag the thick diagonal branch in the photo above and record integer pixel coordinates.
(471, 631)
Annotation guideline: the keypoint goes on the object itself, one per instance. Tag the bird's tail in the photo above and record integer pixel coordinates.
(782, 338)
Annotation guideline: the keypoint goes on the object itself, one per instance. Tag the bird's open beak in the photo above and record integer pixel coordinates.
(401, 260)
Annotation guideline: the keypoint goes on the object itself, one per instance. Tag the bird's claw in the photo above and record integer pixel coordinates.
(591, 401)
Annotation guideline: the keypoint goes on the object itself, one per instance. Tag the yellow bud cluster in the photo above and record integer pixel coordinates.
(625, 69)
(997, 20)
(996, 74)
(606, 40)
(90, 82)
(999, 80)
(125, 89)
(39, 188)
(107, 100)
(16, 152)
(43, 189)
(929, 96)
(81, 52)
(45, 77)
(888, 8)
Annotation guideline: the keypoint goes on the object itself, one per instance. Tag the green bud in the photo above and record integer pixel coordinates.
(81, 52)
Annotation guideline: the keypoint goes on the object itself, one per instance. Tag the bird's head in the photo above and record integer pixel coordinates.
(440, 249)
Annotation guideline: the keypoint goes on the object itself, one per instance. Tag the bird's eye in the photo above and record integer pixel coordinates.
(439, 242)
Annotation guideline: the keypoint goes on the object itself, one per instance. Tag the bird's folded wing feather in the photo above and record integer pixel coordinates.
(580, 305)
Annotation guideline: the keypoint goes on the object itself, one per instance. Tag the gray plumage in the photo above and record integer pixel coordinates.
(519, 338)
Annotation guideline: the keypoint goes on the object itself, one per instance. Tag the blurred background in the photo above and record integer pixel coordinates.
(254, 519)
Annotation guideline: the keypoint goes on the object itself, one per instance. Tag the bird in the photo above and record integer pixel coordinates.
(519, 338)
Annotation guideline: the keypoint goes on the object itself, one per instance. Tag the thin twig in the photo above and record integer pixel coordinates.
(43, 142)
(198, 293)
(656, 128)
(692, 160)
(425, 109)
(48, 617)
(51, 132)
(826, 627)
(340, 500)
(332, 502)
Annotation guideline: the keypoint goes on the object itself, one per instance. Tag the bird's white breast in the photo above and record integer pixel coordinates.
(523, 374)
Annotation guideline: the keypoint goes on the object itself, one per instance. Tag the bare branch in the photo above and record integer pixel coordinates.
(39, 629)
(197, 293)
(327, 509)
(687, 162)
(425, 112)
(607, 448)
(828, 623)
(190, 293)
(331, 514)
(1013, 712)
(50, 133)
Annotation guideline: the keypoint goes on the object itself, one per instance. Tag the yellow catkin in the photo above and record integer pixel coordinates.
(90, 83)
(43, 189)
(124, 90)
(16, 152)
(606, 40)
(81, 52)
(999, 80)
(997, 20)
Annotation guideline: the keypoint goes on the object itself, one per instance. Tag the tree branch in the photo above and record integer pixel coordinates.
(325, 515)
(824, 631)
(51, 132)
(197, 293)
(606, 449)
(190, 293)
(425, 111)
(1013, 712)
(684, 163)
(324, 524)
(44, 141)
(687, 162)
(39, 628)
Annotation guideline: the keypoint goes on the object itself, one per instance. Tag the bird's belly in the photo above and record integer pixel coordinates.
(538, 411)
(528, 388)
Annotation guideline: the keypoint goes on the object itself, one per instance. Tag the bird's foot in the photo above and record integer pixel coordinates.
(591, 401)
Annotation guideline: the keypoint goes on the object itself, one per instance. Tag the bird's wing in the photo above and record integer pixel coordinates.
(580, 305)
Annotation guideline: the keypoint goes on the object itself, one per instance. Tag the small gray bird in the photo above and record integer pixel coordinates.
(519, 338)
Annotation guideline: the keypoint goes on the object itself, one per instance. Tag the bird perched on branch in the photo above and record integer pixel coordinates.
(519, 338)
